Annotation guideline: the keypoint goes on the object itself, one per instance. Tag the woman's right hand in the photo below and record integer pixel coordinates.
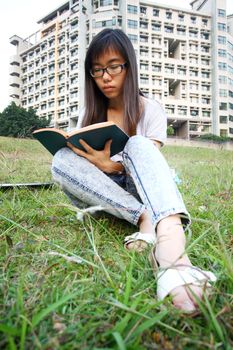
(101, 159)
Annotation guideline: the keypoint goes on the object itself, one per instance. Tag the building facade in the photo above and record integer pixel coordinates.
(185, 61)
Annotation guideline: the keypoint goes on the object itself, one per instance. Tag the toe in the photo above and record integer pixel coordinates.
(139, 246)
(181, 299)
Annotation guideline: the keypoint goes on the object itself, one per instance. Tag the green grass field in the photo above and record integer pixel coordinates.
(105, 296)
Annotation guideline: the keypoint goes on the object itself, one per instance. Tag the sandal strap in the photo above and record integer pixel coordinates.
(149, 238)
(170, 278)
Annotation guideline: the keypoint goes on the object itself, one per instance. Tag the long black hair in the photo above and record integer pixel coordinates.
(96, 104)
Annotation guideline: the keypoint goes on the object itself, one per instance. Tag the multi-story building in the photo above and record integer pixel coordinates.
(185, 60)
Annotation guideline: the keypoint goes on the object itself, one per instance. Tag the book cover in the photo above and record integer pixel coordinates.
(95, 135)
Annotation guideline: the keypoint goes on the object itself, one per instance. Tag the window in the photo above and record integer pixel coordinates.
(230, 45)
(193, 33)
(230, 93)
(133, 38)
(206, 114)
(74, 66)
(168, 29)
(223, 132)
(223, 106)
(181, 18)
(205, 36)
(222, 53)
(156, 12)
(51, 104)
(222, 93)
(221, 13)
(231, 118)
(230, 57)
(132, 24)
(156, 27)
(168, 15)
(231, 130)
(230, 69)
(156, 68)
(222, 40)
(222, 79)
(222, 27)
(205, 62)
(143, 10)
(144, 80)
(105, 2)
(143, 25)
(222, 66)
(231, 105)
(181, 31)
(193, 20)
(223, 119)
(144, 66)
(204, 22)
(205, 87)
(61, 77)
(205, 100)
(144, 38)
(132, 9)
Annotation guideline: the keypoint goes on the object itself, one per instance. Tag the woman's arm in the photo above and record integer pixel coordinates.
(101, 159)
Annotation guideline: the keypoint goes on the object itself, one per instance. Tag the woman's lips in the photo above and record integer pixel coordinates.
(108, 88)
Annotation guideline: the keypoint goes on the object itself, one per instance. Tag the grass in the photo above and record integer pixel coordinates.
(68, 285)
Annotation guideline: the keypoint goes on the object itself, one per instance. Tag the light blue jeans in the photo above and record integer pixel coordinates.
(147, 184)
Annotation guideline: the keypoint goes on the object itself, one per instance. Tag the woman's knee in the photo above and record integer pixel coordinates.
(138, 145)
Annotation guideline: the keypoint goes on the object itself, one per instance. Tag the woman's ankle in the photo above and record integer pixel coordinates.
(145, 224)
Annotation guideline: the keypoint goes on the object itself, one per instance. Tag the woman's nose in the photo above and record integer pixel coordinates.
(106, 76)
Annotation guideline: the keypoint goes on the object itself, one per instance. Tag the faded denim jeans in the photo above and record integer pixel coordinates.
(147, 184)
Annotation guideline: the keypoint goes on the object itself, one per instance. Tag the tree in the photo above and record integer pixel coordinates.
(170, 131)
(16, 121)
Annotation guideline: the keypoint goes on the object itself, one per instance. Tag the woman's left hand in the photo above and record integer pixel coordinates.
(101, 159)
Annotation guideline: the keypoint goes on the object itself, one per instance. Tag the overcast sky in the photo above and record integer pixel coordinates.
(20, 17)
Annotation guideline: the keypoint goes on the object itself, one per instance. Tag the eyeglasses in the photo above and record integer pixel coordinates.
(114, 69)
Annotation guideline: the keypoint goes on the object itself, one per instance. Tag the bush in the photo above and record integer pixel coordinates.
(215, 138)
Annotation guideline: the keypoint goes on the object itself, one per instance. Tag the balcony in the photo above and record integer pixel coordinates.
(14, 70)
(14, 59)
(14, 81)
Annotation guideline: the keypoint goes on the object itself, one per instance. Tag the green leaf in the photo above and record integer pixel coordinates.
(119, 340)
(43, 313)
(149, 323)
(9, 330)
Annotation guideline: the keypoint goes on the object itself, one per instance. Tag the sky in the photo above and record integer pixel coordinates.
(20, 17)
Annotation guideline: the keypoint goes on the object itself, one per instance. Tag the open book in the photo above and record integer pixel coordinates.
(96, 135)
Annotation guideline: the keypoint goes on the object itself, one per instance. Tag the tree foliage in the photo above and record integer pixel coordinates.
(16, 121)
(170, 131)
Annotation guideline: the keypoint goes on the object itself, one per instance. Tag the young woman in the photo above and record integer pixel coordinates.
(135, 185)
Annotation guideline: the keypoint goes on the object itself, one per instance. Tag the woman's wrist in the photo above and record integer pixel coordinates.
(114, 168)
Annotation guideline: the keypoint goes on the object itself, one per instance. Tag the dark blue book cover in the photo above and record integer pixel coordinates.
(95, 135)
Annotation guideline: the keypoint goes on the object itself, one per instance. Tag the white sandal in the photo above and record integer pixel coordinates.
(171, 277)
(149, 238)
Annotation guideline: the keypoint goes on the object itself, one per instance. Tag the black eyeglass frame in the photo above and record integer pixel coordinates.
(123, 66)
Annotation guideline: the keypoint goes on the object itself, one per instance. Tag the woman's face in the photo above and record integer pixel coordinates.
(110, 85)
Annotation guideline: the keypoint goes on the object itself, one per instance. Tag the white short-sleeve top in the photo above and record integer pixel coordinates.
(153, 123)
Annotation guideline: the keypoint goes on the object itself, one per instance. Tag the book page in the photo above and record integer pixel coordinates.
(91, 127)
